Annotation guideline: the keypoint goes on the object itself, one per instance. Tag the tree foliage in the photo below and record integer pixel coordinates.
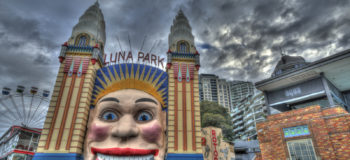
(212, 114)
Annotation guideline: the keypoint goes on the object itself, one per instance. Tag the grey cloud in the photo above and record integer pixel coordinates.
(42, 59)
(236, 32)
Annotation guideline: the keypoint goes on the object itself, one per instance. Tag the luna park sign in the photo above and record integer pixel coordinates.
(122, 57)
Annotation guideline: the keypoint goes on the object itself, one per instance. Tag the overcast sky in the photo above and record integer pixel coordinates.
(237, 39)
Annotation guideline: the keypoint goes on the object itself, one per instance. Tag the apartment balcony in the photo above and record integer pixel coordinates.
(240, 133)
(250, 128)
(238, 129)
(258, 112)
(237, 117)
(238, 123)
(249, 122)
(237, 112)
(256, 104)
(260, 119)
(247, 116)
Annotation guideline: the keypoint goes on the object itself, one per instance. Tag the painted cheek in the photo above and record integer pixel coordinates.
(98, 133)
(151, 133)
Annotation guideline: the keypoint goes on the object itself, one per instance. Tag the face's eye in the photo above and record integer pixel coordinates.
(109, 116)
(144, 116)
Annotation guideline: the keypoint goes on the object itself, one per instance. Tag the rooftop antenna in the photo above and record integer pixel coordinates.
(143, 42)
(129, 41)
(153, 46)
(282, 55)
(121, 49)
(98, 20)
(282, 52)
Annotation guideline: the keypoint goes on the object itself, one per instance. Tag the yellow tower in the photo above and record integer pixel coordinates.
(64, 129)
(184, 130)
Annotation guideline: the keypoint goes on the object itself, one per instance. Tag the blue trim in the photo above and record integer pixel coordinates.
(182, 55)
(80, 48)
(58, 156)
(174, 156)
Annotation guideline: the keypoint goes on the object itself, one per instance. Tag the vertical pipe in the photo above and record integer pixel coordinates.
(327, 90)
(267, 103)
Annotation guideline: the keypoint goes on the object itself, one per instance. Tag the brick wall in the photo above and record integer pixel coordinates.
(329, 131)
(258, 156)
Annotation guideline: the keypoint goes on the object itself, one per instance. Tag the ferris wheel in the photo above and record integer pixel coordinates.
(23, 107)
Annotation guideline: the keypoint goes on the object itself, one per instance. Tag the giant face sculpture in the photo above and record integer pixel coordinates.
(126, 123)
(128, 117)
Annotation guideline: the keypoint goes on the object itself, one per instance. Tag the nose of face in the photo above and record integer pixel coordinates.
(126, 128)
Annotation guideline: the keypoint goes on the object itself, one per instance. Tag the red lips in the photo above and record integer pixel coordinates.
(124, 151)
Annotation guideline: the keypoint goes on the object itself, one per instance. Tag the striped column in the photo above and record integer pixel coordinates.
(64, 129)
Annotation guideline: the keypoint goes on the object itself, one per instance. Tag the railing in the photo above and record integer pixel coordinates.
(248, 115)
(260, 119)
(237, 117)
(237, 112)
(80, 49)
(237, 123)
(250, 128)
(258, 111)
(237, 129)
(248, 122)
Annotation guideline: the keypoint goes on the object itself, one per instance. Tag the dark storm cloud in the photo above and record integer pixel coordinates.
(227, 32)
(42, 59)
(23, 48)
(237, 40)
(262, 27)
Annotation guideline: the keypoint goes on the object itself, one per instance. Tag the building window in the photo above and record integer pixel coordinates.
(301, 150)
(82, 41)
(183, 47)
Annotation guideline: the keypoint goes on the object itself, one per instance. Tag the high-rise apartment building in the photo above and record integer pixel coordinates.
(208, 87)
(240, 90)
(224, 94)
(245, 115)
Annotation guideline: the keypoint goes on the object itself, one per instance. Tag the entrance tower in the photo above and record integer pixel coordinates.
(184, 128)
(65, 125)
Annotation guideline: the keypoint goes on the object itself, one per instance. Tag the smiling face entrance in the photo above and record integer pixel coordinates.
(126, 123)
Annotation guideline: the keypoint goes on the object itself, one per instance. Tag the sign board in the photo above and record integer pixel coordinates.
(213, 146)
(295, 91)
(128, 57)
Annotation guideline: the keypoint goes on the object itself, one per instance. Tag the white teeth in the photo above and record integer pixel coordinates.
(109, 157)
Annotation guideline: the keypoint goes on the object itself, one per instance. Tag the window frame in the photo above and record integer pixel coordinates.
(305, 140)
(180, 45)
(78, 40)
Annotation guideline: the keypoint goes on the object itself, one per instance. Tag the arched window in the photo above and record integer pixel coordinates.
(82, 41)
(183, 47)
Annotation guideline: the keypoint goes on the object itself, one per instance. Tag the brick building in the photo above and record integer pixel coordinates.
(307, 133)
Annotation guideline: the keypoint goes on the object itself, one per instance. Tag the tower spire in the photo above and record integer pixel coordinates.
(181, 39)
(91, 23)
(182, 68)
(78, 59)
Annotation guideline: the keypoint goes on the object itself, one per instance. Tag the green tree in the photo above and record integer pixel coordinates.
(213, 114)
